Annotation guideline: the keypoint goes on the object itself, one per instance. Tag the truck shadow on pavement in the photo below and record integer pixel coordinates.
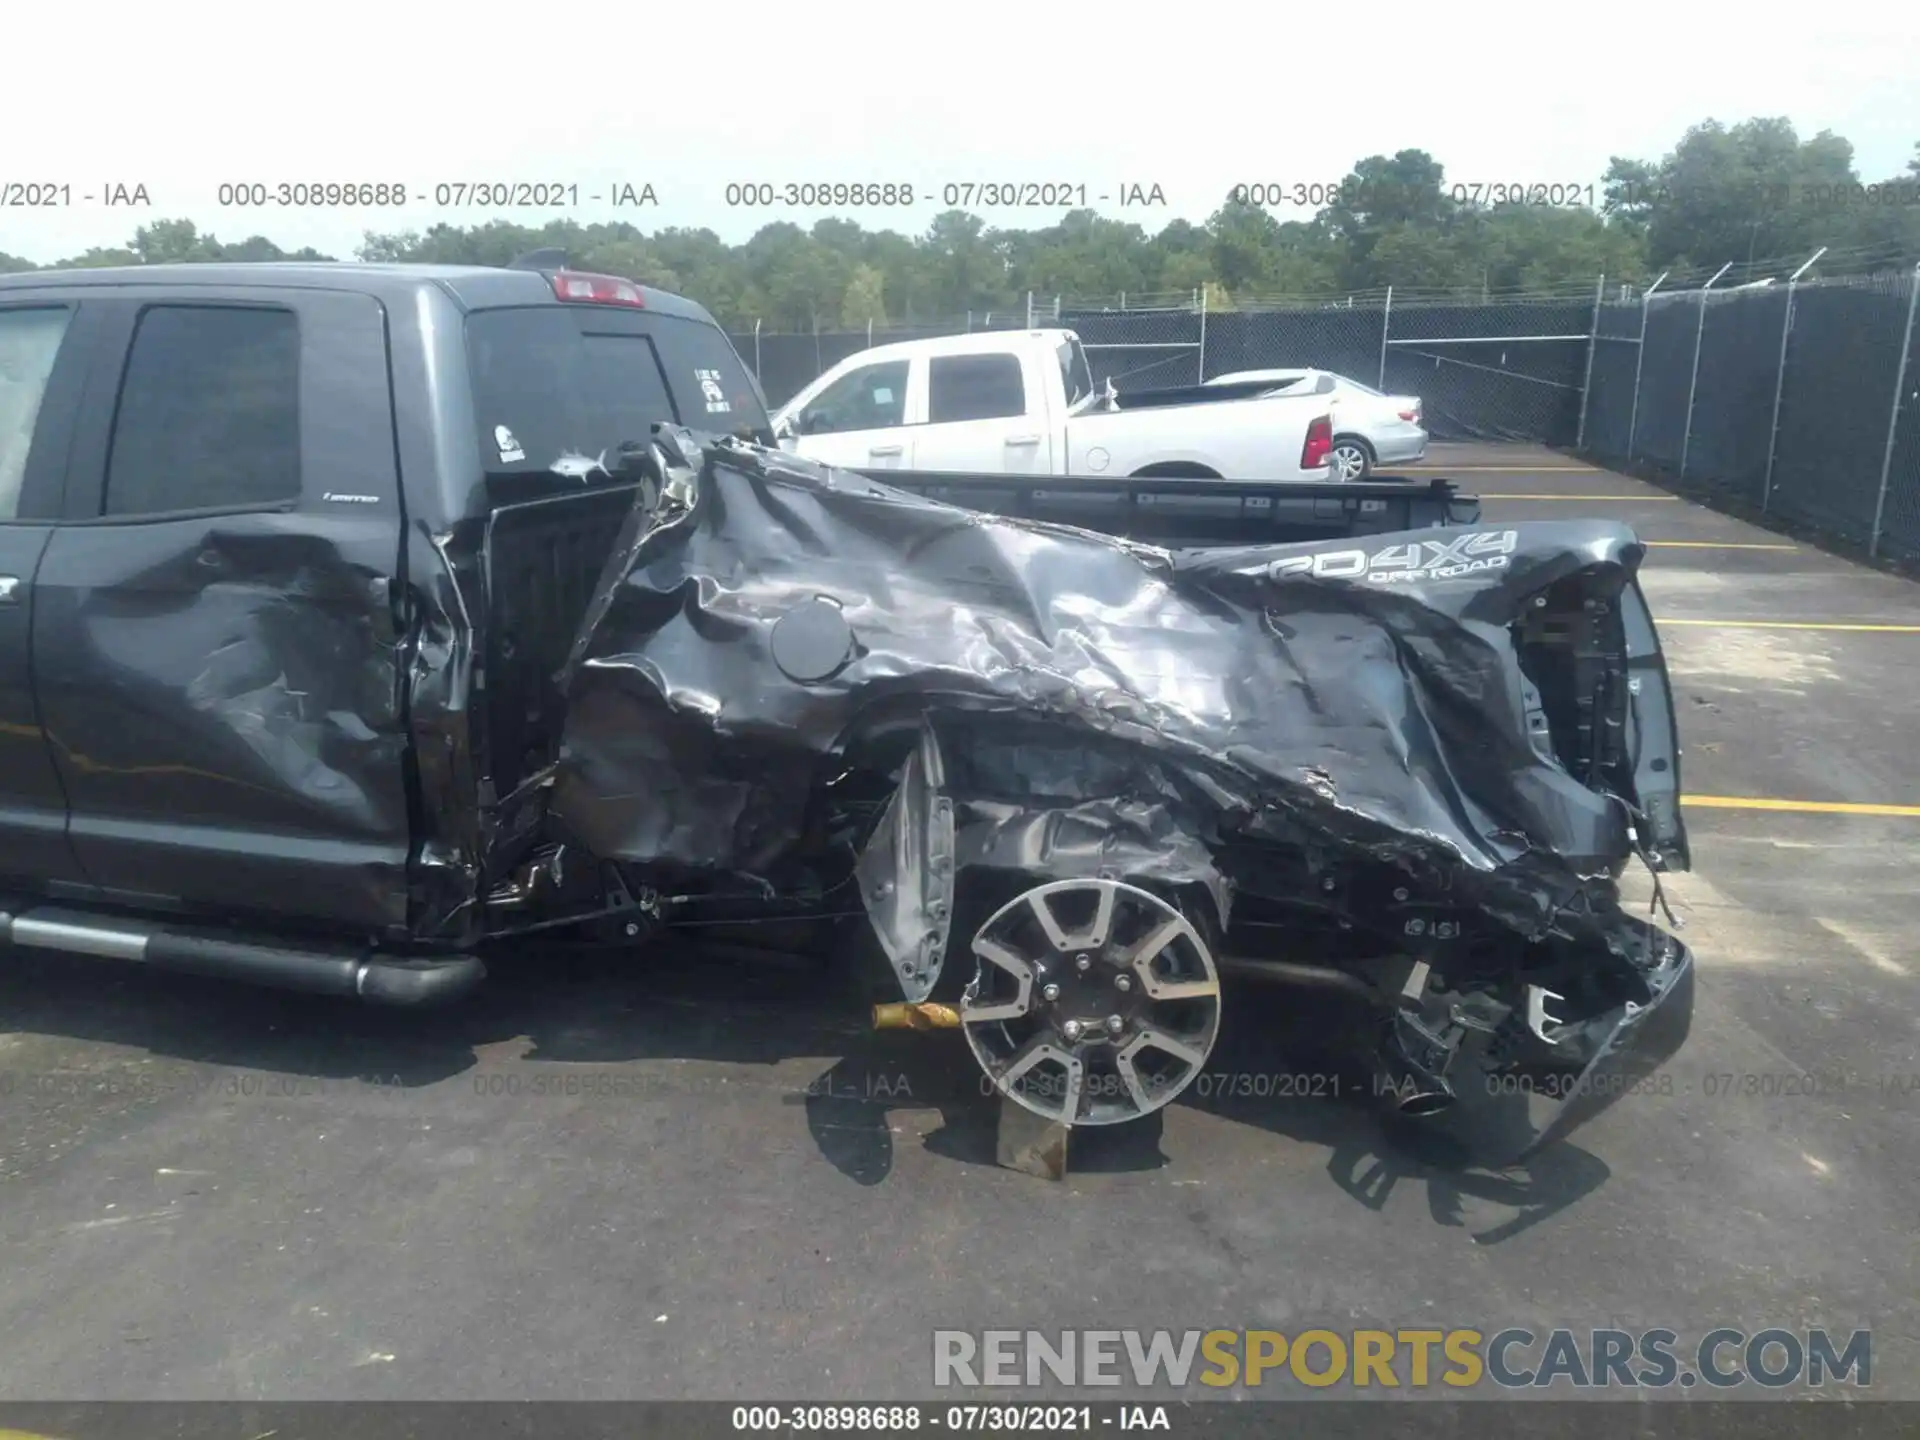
(575, 1007)
(854, 1108)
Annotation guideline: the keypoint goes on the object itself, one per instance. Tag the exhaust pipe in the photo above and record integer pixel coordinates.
(1412, 1066)
(1292, 973)
(1422, 1103)
(363, 975)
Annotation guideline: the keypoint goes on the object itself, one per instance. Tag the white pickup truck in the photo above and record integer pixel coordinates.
(1024, 403)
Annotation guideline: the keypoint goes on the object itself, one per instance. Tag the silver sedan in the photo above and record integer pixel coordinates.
(1370, 429)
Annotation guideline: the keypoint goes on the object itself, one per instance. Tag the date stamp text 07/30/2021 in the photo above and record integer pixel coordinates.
(949, 194)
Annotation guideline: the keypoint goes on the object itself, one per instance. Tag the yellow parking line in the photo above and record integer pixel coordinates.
(1793, 625)
(1634, 499)
(1711, 545)
(1807, 807)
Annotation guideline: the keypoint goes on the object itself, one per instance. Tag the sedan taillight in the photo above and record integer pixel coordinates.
(1411, 414)
(1319, 444)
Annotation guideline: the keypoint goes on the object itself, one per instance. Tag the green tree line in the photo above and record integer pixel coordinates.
(1753, 193)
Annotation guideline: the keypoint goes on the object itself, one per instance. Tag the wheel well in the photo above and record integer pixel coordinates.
(1175, 470)
(1359, 440)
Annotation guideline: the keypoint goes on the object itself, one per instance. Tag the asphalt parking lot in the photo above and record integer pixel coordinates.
(637, 1178)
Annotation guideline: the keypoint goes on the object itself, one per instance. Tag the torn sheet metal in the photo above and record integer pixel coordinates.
(906, 872)
(1357, 697)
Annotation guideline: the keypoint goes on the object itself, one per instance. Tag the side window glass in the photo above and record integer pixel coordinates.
(873, 397)
(209, 411)
(1072, 383)
(975, 387)
(29, 344)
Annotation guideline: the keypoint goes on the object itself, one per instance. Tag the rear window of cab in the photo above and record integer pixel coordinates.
(566, 385)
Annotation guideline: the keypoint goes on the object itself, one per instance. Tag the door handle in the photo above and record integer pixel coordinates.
(885, 450)
(9, 589)
(1023, 440)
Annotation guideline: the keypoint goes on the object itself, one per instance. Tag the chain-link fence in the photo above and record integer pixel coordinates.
(1800, 398)
(1506, 368)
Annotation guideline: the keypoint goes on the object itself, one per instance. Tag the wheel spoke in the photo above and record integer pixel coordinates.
(1150, 1039)
(1182, 989)
(1037, 1048)
(1037, 1051)
(1126, 1062)
(1004, 959)
(1093, 937)
(1102, 926)
(1148, 950)
(1151, 949)
(1043, 912)
(1130, 1077)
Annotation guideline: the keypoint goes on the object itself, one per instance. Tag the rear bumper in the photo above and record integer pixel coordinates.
(1397, 444)
(1509, 1107)
(1626, 1052)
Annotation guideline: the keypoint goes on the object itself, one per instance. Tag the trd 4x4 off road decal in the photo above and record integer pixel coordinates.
(1422, 560)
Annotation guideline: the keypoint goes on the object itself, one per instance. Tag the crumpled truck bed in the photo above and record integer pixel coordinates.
(1472, 708)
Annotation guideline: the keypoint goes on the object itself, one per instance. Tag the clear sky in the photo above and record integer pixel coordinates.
(1191, 97)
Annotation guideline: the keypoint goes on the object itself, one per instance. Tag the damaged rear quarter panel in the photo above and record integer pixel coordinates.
(1272, 724)
(1379, 717)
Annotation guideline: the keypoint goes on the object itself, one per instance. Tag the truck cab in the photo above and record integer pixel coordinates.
(990, 402)
(288, 556)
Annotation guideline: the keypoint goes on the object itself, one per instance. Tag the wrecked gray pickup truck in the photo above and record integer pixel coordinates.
(362, 616)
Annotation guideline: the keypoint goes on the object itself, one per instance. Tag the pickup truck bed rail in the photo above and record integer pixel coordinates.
(1159, 396)
(1200, 512)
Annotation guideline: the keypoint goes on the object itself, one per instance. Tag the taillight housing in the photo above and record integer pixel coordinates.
(579, 287)
(1411, 415)
(1313, 455)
